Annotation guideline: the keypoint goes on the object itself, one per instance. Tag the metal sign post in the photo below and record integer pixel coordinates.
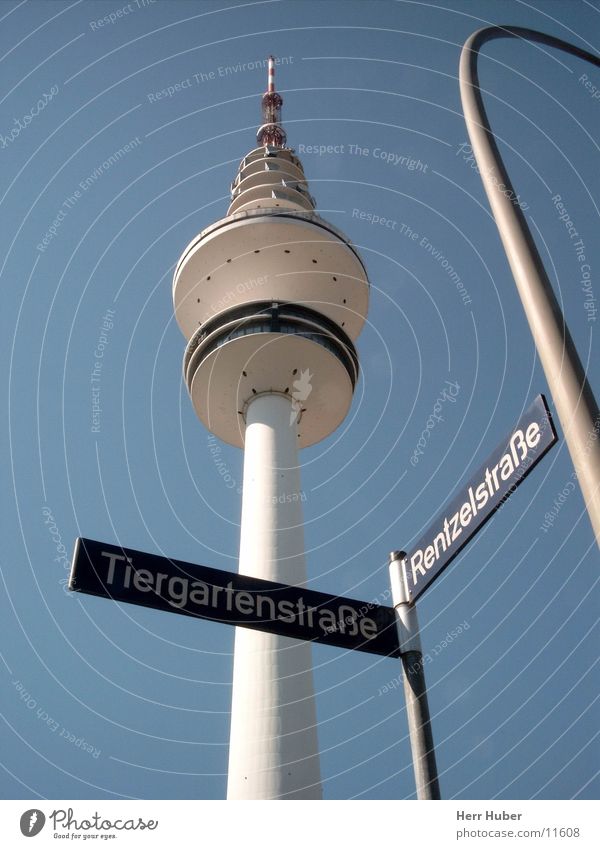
(415, 691)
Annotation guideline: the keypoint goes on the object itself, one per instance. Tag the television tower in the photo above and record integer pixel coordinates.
(271, 299)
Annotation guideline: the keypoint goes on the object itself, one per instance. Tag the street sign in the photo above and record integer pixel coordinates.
(479, 499)
(123, 574)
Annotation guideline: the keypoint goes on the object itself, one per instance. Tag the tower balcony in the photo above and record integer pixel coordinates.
(271, 347)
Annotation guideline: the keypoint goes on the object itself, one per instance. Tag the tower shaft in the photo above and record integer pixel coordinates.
(273, 751)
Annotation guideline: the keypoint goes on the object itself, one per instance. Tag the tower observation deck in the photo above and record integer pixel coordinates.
(271, 299)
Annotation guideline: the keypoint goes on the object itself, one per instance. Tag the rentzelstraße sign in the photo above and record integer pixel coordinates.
(478, 500)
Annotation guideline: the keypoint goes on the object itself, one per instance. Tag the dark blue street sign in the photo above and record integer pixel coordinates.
(478, 500)
(123, 574)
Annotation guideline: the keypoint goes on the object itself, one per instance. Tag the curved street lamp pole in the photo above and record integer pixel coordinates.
(575, 403)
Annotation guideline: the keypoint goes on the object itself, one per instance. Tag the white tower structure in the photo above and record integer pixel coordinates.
(271, 299)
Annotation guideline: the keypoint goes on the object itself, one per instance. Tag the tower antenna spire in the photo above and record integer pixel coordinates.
(271, 133)
(271, 74)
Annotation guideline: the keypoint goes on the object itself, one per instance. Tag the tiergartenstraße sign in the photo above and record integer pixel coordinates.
(123, 574)
(489, 487)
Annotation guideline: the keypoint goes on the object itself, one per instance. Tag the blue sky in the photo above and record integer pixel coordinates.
(101, 700)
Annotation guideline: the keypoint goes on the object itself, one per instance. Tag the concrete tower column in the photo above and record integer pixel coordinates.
(273, 746)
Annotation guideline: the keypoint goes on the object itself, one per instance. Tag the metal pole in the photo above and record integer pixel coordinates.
(415, 690)
(575, 403)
